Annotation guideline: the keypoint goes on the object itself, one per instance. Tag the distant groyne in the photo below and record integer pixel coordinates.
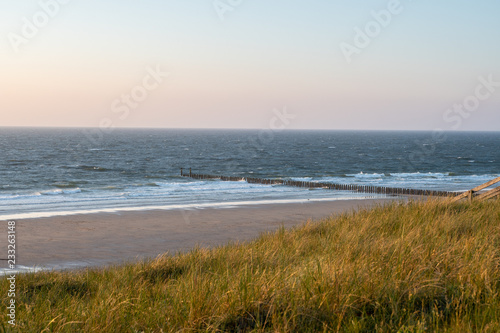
(330, 186)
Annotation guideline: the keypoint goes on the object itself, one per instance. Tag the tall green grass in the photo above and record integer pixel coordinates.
(403, 267)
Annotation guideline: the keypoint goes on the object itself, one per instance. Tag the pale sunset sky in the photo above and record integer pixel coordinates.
(331, 64)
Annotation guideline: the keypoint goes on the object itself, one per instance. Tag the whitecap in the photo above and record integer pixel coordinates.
(52, 192)
(72, 191)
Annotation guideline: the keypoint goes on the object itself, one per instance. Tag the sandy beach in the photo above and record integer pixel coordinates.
(99, 239)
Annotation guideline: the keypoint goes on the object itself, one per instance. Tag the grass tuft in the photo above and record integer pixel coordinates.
(162, 269)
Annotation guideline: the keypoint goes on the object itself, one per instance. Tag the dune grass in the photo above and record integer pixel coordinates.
(403, 267)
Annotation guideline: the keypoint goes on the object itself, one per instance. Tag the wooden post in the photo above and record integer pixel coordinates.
(190, 174)
(181, 172)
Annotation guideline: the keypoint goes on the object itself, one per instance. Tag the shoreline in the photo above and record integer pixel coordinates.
(203, 205)
(99, 239)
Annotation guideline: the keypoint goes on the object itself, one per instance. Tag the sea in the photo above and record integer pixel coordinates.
(59, 171)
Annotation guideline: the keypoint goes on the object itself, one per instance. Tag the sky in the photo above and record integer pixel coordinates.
(317, 64)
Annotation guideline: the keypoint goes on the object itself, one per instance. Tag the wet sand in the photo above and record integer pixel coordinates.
(109, 238)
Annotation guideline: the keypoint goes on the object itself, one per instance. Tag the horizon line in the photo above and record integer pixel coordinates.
(107, 131)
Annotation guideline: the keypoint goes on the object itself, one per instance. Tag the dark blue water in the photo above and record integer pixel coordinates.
(49, 171)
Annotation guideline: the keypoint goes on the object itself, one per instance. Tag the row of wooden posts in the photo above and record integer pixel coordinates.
(331, 186)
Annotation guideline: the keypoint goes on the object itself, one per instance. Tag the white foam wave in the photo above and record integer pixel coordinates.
(19, 270)
(227, 204)
(302, 179)
(52, 192)
(19, 196)
(60, 191)
(72, 191)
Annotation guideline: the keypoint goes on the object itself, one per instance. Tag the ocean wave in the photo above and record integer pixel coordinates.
(431, 180)
(111, 188)
(154, 177)
(93, 168)
(367, 175)
(151, 184)
(20, 269)
(19, 196)
(73, 191)
(431, 175)
(66, 185)
(52, 192)
(17, 162)
(86, 168)
(61, 191)
(181, 184)
(302, 179)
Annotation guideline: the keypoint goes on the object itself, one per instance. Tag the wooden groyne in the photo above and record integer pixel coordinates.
(330, 186)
